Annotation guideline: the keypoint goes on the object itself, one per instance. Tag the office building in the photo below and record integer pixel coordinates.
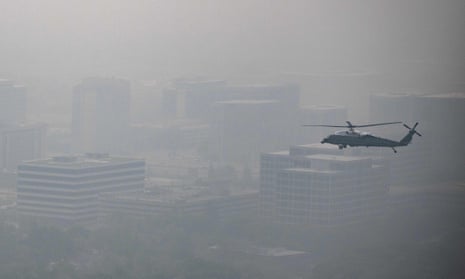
(440, 152)
(241, 129)
(349, 88)
(180, 134)
(194, 98)
(273, 162)
(13, 102)
(270, 164)
(335, 190)
(445, 117)
(101, 115)
(321, 186)
(146, 101)
(19, 143)
(181, 200)
(401, 106)
(65, 189)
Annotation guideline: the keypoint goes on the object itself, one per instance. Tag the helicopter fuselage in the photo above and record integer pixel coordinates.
(356, 138)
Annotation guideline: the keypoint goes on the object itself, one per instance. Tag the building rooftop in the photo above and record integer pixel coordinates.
(80, 161)
(174, 195)
(262, 85)
(271, 252)
(306, 170)
(199, 82)
(399, 94)
(448, 187)
(328, 157)
(453, 95)
(281, 153)
(22, 126)
(324, 107)
(247, 102)
(181, 124)
(332, 73)
(5, 82)
(318, 145)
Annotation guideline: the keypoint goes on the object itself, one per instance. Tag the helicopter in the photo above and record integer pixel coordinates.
(353, 137)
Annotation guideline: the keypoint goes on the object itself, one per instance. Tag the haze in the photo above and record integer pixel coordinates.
(164, 139)
(130, 38)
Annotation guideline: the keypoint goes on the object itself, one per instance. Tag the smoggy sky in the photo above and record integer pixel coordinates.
(210, 36)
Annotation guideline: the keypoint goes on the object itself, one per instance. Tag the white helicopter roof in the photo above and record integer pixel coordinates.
(351, 133)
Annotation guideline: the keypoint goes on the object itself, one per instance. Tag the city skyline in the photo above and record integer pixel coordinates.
(166, 139)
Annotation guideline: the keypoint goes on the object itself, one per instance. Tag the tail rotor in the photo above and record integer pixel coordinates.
(408, 138)
(413, 129)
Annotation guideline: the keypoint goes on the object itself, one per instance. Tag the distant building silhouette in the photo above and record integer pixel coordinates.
(101, 115)
(241, 129)
(322, 115)
(194, 98)
(244, 120)
(444, 116)
(440, 152)
(20, 143)
(13, 102)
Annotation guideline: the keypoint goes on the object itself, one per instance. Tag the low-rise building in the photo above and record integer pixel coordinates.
(181, 200)
(66, 188)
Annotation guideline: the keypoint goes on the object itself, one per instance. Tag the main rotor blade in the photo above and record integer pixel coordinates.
(377, 124)
(334, 126)
(349, 125)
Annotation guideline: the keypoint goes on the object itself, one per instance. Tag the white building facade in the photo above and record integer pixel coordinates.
(66, 189)
(321, 186)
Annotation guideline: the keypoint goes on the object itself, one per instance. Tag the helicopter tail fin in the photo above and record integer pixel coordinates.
(408, 138)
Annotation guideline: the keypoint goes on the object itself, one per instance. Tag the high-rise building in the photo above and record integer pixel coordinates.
(348, 88)
(270, 164)
(241, 129)
(394, 107)
(444, 118)
(101, 115)
(198, 96)
(273, 162)
(13, 102)
(65, 189)
(19, 143)
(334, 190)
(322, 188)
(440, 152)
(244, 120)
